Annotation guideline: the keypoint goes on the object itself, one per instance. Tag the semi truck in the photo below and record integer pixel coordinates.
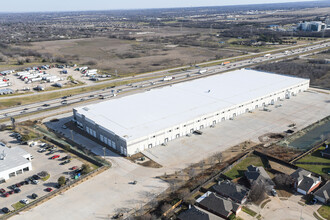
(168, 78)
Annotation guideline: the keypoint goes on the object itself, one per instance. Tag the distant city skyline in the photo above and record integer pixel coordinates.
(85, 5)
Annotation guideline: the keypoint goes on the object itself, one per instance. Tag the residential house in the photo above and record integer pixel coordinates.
(195, 213)
(217, 205)
(323, 194)
(304, 182)
(258, 175)
(228, 189)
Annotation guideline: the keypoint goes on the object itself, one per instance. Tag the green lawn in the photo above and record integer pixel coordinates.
(315, 157)
(324, 211)
(18, 205)
(249, 211)
(238, 170)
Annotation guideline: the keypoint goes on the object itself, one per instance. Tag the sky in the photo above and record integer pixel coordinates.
(84, 5)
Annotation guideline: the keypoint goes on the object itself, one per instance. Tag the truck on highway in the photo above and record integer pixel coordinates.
(225, 63)
(168, 78)
(202, 71)
(267, 55)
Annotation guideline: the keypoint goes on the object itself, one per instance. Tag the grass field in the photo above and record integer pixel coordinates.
(324, 211)
(239, 169)
(315, 157)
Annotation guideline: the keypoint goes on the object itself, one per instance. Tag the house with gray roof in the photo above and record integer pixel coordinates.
(218, 205)
(304, 182)
(323, 194)
(196, 213)
(228, 189)
(258, 175)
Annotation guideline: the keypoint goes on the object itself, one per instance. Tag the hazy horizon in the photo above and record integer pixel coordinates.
(96, 5)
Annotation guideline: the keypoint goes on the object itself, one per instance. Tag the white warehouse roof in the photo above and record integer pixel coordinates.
(142, 114)
(14, 157)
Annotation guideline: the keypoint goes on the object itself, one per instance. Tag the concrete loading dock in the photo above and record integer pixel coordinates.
(138, 122)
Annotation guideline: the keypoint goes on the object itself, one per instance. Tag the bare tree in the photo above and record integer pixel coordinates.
(183, 193)
(283, 180)
(257, 192)
(218, 157)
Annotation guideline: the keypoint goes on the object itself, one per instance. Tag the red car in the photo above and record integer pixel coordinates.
(74, 168)
(18, 185)
(2, 190)
(49, 189)
(55, 156)
(6, 194)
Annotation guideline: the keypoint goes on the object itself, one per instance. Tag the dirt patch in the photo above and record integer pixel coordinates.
(280, 152)
(281, 168)
(271, 137)
(143, 160)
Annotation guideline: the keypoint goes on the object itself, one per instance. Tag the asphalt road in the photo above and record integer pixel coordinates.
(180, 76)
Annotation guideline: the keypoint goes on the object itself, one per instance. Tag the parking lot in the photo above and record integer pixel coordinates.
(18, 84)
(113, 189)
(41, 162)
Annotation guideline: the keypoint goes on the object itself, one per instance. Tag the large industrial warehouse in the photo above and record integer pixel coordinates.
(134, 123)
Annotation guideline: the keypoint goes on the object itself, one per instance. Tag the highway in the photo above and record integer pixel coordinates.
(158, 81)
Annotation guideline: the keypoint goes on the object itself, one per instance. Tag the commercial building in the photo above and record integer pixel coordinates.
(13, 161)
(137, 122)
(311, 26)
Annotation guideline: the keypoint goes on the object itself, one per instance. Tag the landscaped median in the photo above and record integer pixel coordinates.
(324, 211)
(249, 211)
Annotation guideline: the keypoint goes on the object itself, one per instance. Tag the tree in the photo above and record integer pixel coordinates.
(85, 168)
(218, 157)
(257, 192)
(283, 180)
(61, 181)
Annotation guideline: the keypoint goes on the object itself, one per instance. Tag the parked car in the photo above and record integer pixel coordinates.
(11, 192)
(22, 183)
(49, 189)
(18, 185)
(24, 201)
(46, 105)
(67, 157)
(6, 194)
(74, 167)
(55, 156)
(274, 193)
(35, 181)
(65, 162)
(2, 190)
(5, 210)
(17, 190)
(314, 201)
(41, 150)
(34, 196)
(36, 177)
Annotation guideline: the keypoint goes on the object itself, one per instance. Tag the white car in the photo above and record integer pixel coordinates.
(35, 181)
(41, 150)
(24, 201)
